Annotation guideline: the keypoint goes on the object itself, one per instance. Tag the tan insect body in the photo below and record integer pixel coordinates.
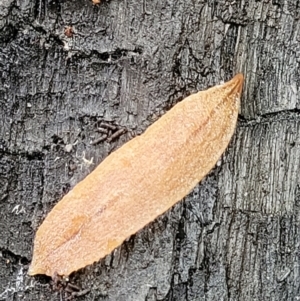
(138, 182)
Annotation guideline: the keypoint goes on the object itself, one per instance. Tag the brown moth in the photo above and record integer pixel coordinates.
(138, 182)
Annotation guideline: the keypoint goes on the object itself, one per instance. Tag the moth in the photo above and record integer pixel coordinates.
(138, 182)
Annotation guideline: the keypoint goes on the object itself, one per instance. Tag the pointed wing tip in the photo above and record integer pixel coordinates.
(34, 271)
(36, 268)
(238, 79)
(235, 85)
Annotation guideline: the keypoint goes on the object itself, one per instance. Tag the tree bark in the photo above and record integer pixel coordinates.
(68, 66)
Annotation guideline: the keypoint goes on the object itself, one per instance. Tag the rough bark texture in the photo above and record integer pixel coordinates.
(236, 236)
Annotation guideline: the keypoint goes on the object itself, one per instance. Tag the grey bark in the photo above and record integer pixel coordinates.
(236, 236)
